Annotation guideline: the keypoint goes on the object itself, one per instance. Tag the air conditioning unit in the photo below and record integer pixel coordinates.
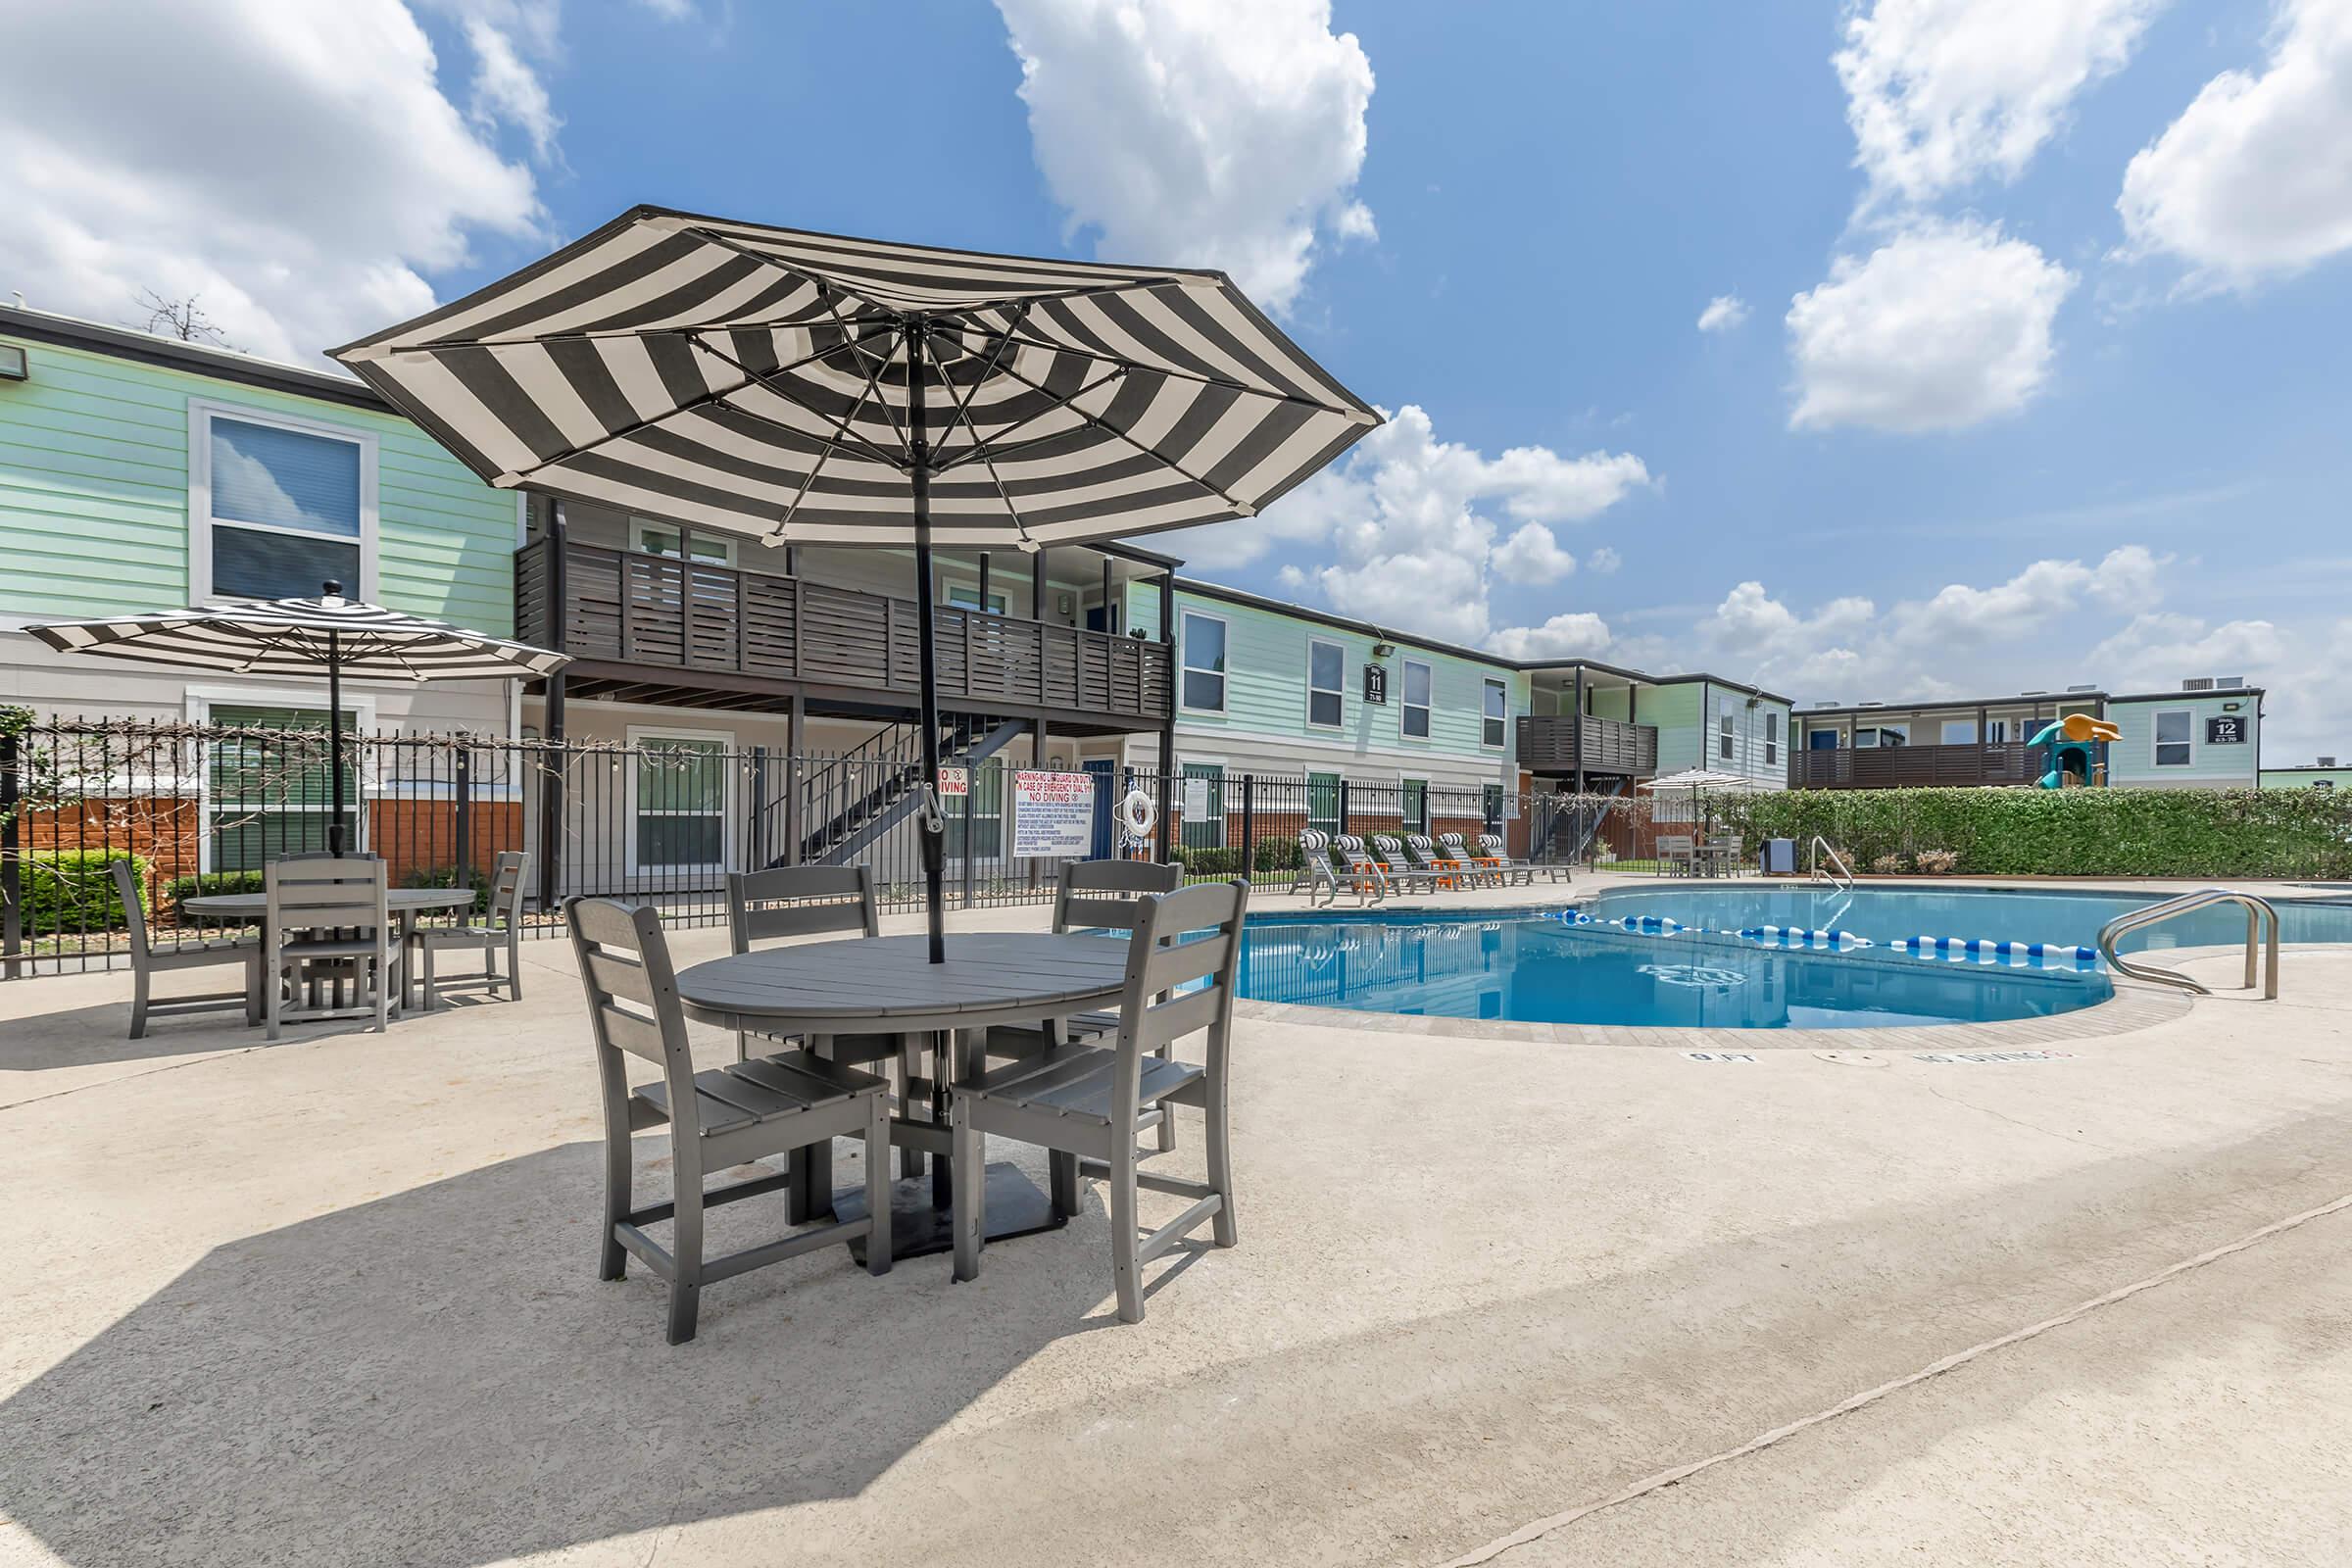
(2228, 683)
(2327, 761)
(2198, 683)
(2082, 688)
(2034, 691)
(1828, 702)
(1870, 705)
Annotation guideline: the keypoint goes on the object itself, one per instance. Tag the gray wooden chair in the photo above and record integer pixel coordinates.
(1092, 893)
(1457, 856)
(717, 1119)
(1425, 856)
(1360, 865)
(1315, 869)
(1492, 848)
(146, 963)
(500, 925)
(327, 915)
(1400, 869)
(1678, 853)
(803, 900)
(1084, 1104)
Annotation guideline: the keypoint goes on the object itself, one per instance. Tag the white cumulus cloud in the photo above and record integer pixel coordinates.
(1532, 554)
(1942, 93)
(2255, 178)
(1603, 560)
(1573, 634)
(1222, 133)
(315, 173)
(1945, 324)
(1722, 312)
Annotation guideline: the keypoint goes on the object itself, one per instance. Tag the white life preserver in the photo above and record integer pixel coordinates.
(1138, 816)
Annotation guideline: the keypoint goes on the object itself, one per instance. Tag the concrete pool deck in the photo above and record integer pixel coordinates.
(332, 1301)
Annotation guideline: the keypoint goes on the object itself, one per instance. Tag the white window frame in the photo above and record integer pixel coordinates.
(197, 702)
(638, 525)
(639, 737)
(1312, 690)
(1727, 734)
(1772, 736)
(1997, 732)
(1405, 704)
(1943, 732)
(1485, 684)
(201, 414)
(2157, 743)
(1185, 617)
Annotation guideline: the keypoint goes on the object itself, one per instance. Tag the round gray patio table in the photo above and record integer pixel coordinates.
(404, 905)
(886, 985)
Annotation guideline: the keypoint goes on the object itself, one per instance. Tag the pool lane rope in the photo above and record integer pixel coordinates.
(1846, 941)
(1536, 1531)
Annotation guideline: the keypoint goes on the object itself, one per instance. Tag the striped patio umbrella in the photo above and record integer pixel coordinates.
(803, 388)
(300, 637)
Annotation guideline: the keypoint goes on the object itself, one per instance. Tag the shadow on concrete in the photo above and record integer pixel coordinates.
(438, 1379)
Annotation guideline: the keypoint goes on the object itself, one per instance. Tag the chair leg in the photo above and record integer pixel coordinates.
(614, 1264)
(1218, 1143)
(1167, 1112)
(969, 1217)
(138, 1003)
(514, 964)
(1125, 1275)
(1062, 1178)
(272, 993)
(433, 996)
(253, 988)
(877, 1182)
(912, 1163)
(686, 1238)
(383, 966)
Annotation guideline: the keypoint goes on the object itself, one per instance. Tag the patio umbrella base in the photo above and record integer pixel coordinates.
(1016, 1207)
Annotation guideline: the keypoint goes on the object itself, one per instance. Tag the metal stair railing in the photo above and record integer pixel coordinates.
(1839, 875)
(2262, 921)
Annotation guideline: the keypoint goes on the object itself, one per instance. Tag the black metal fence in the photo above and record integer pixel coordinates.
(203, 809)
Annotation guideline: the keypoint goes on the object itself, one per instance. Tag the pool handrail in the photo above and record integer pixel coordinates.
(2261, 919)
(1839, 875)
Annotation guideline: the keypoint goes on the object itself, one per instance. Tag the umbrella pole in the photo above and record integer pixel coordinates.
(933, 827)
(334, 740)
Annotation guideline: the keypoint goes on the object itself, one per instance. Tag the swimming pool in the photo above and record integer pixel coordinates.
(2068, 915)
(1524, 967)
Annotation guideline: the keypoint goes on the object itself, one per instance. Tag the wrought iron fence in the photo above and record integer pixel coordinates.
(203, 809)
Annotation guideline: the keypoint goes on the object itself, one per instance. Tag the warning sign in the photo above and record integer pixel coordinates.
(955, 783)
(1053, 814)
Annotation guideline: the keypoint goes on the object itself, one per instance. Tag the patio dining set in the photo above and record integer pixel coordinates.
(334, 940)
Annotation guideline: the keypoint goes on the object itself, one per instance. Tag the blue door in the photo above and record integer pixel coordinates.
(1821, 740)
(1099, 768)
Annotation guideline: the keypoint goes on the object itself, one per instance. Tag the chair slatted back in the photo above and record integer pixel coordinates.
(633, 1001)
(1316, 845)
(797, 901)
(1351, 847)
(1491, 846)
(1452, 847)
(1425, 853)
(1390, 852)
(134, 912)
(1104, 893)
(1180, 939)
(1675, 843)
(508, 879)
(346, 894)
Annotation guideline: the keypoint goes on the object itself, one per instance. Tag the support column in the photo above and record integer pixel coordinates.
(552, 757)
(1038, 584)
(980, 599)
(795, 717)
(1167, 723)
(1579, 705)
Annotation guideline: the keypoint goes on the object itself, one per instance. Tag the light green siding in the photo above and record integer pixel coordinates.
(1675, 712)
(1612, 702)
(1143, 608)
(1266, 688)
(94, 496)
(2131, 760)
(2307, 778)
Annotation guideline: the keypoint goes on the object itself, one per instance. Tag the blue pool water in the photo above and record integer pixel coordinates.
(1526, 967)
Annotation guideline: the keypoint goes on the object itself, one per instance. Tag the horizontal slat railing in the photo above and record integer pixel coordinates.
(1549, 742)
(635, 608)
(1884, 767)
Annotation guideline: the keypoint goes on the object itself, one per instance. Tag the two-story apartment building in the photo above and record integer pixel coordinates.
(2206, 734)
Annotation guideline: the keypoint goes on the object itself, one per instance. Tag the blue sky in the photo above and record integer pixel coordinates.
(1969, 427)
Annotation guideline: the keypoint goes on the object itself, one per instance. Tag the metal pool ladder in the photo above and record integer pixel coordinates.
(2262, 921)
(1839, 875)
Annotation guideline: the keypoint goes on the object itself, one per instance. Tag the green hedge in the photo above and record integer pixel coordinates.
(446, 876)
(2087, 832)
(179, 889)
(73, 890)
(1272, 855)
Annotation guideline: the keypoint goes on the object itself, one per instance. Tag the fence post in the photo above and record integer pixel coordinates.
(758, 833)
(1343, 827)
(462, 798)
(1250, 828)
(970, 851)
(12, 876)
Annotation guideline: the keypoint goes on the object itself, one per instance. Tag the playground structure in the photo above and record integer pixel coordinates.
(2078, 749)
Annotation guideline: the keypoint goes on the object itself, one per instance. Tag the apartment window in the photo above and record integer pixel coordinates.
(662, 539)
(1959, 732)
(1203, 639)
(278, 507)
(1772, 738)
(1326, 683)
(1727, 734)
(960, 596)
(1996, 731)
(1413, 808)
(269, 794)
(2175, 745)
(1323, 802)
(1493, 711)
(1412, 716)
(678, 805)
(1883, 735)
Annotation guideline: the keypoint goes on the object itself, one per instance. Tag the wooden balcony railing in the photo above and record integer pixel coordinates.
(1890, 767)
(630, 609)
(1551, 743)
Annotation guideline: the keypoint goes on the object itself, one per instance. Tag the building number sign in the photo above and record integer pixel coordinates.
(1375, 684)
(2224, 731)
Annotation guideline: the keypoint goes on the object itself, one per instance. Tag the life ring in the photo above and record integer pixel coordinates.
(1138, 816)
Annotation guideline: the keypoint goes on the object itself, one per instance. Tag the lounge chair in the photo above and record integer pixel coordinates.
(1399, 870)
(1495, 852)
(1438, 857)
(1316, 870)
(1455, 851)
(1360, 863)
(1426, 858)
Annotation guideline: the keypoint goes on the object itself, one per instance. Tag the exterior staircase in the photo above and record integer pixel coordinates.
(849, 802)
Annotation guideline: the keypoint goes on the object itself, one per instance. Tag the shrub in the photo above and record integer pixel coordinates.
(446, 876)
(73, 890)
(1937, 863)
(1210, 861)
(181, 888)
(1276, 855)
(1888, 865)
(2085, 832)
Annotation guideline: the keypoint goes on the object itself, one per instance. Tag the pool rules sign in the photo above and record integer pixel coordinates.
(1053, 814)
